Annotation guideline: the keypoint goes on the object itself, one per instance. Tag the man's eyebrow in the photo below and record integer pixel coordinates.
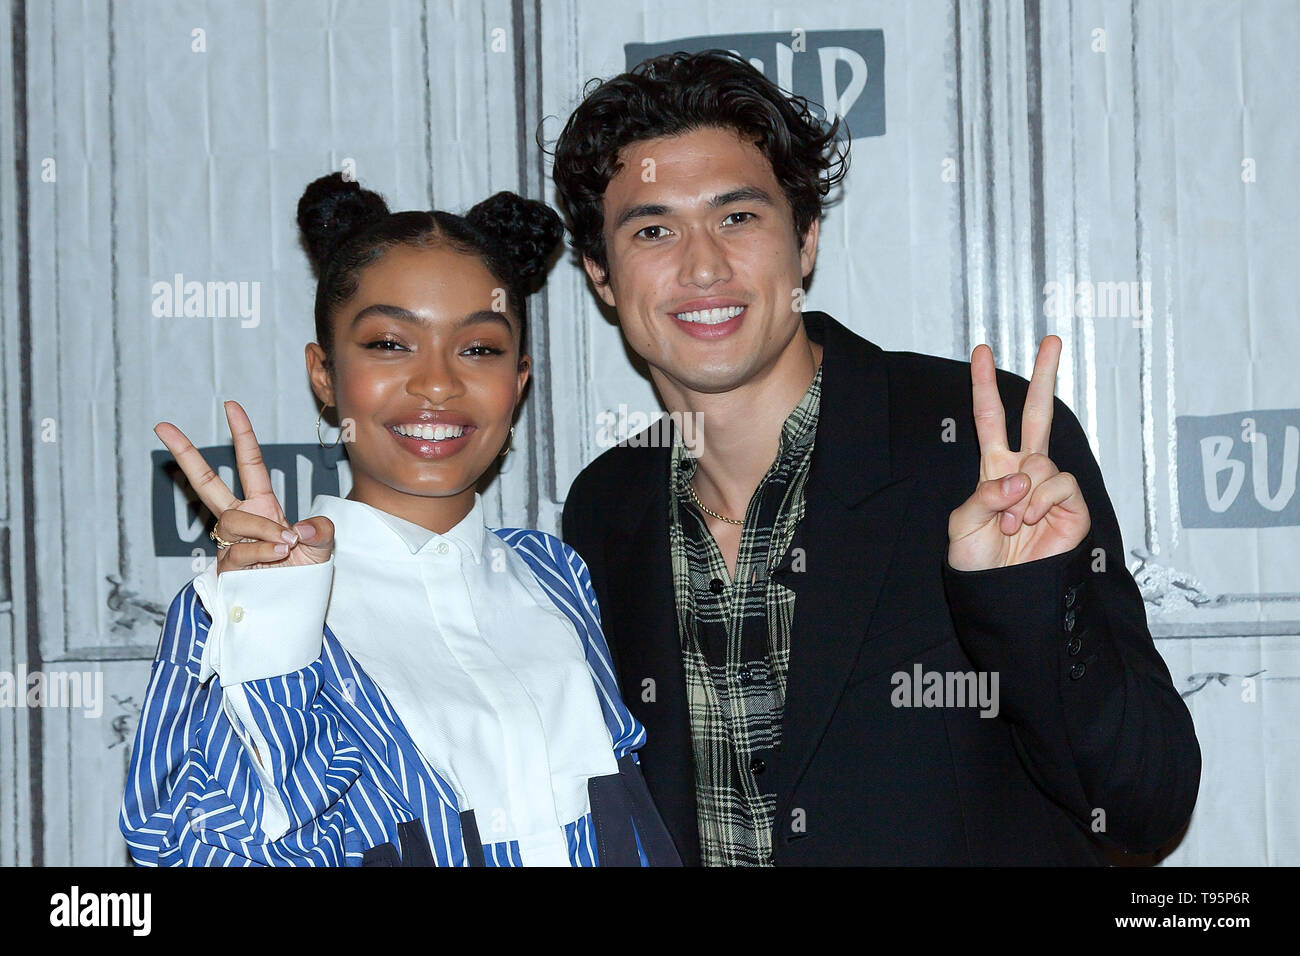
(743, 194)
(740, 194)
(641, 211)
(405, 315)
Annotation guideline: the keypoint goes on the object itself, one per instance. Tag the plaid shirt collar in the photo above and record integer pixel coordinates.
(735, 642)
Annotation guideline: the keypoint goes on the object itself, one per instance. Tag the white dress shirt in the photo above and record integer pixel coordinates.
(487, 675)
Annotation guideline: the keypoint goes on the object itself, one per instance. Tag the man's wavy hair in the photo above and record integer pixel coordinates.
(678, 93)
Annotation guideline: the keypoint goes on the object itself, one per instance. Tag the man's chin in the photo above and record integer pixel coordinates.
(715, 380)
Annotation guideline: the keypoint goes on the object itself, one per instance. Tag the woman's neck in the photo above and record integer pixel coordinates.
(437, 514)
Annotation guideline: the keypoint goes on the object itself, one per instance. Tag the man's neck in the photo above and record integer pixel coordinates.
(740, 430)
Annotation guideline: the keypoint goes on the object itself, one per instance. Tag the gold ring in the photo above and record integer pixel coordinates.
(221, 542)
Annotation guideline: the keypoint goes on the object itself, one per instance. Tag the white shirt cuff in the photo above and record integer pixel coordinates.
(266, 622)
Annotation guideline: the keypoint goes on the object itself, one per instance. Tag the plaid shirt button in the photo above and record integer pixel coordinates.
(735, 643)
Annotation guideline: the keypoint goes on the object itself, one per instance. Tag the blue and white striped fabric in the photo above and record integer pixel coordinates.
(343, 765)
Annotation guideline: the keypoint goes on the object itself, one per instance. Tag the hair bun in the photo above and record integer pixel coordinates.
(526, 230)
(331, 210)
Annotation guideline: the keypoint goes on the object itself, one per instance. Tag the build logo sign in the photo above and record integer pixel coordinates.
(842, 71)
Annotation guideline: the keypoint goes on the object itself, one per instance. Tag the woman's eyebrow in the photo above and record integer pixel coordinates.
(406, 315)
(392, 311)
(484, 315)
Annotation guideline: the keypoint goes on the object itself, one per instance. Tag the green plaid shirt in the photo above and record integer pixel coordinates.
(735, 639)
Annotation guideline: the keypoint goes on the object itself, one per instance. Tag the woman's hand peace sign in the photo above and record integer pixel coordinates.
(1024, 508)
(259, 533)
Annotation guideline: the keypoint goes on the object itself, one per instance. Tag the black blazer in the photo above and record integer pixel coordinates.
(1092, 745)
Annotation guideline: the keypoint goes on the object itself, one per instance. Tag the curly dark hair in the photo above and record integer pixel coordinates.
(345, 228)
(679, 92)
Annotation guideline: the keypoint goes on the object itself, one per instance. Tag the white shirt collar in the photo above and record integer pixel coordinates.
(360, 526)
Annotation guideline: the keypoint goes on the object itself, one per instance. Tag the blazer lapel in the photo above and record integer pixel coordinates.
(648, 656)
(850, 529)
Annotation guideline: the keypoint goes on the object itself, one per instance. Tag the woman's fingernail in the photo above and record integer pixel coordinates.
(289, 536)
(282, 549)
(1012, 484)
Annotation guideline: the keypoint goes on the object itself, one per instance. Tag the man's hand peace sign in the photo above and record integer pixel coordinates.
(1024, 508)
(259, 533)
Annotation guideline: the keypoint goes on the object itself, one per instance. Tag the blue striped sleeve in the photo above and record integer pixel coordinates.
(195, 796)
(626, 730)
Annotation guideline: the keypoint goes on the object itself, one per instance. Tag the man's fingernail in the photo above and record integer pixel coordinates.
(289, 536)
(1012, 484)
(282, 549)
(305, 531)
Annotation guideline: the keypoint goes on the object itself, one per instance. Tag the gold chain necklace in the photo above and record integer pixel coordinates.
(691, 487)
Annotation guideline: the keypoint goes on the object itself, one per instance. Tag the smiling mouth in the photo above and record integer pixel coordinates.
(431, 432)
(709, 316)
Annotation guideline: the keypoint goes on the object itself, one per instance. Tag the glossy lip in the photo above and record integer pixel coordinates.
(428, 449)
(722, 329)
(432, 416)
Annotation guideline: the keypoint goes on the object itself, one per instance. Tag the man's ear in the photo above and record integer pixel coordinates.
(600, 279)
(808, 249)
(322, 383)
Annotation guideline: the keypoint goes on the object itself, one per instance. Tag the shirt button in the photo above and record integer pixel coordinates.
(1077, 671)
(716, 585)
(442, 547)
(684, 464)
(757, 766)
(236, 614)
(1073, 647)
(1069, 620)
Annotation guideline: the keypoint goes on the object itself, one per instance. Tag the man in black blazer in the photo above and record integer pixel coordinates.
(952, 664)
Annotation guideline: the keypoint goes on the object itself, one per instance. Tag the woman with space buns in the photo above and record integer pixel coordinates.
(388, 681)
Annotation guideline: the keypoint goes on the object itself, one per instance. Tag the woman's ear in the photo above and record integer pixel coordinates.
(525, 366)
(322, 382)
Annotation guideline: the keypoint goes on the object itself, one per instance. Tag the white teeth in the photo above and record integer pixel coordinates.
(430, 432)
(711, 316)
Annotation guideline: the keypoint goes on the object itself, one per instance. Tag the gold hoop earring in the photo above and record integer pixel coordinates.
(510, 442)
(321, 440)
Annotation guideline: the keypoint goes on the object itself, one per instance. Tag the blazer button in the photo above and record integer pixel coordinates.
(716, 585)
(1073, 647)
(1069, 620)
(757, 766)
(1077, 671)
(1071, 595)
